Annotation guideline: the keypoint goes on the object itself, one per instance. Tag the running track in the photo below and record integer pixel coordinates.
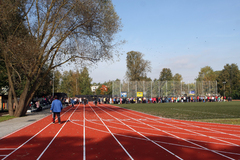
(109, 132)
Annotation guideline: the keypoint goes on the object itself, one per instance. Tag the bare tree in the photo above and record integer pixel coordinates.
(137, 67)
(59, 32)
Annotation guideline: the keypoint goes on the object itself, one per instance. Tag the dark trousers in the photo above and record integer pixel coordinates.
(58, 115)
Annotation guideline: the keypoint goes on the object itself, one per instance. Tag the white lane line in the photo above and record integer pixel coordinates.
(5, 149)
(91, 120)
(112, 134)
(27, 141)
(31, 137)
(173, 144)
(84, 134)
(170, 133)
(233, 144)
(198, 123)
(55, 136)
(146, 133)
(142, 135)
(216, 131)
(22, 128)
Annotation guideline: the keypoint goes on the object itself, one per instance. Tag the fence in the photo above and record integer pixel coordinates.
(150, 89)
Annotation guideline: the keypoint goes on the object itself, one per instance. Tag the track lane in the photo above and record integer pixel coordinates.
(32, 145)
(135, 116)
(69, 137)
(154, 148)
(129, 131)
(102, 145)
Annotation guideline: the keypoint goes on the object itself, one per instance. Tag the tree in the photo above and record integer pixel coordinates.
(177, 77)
(85, 82)
(10, 24)
(206, 74)
(76, 83)
(165, 74)
(137, 67)
(66, 85)
(59, 32)
(231, 75)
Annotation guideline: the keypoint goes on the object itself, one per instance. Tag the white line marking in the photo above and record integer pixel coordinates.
(155, 141)
(31, 137)
(55, 136)
(114, 123)
(5, 149)
(84, 134)
(112, 134)
(170, 133)
(210, 129)
(142, 135)
(26, 141)
(22, 128)
(197, 133)
(233, 144)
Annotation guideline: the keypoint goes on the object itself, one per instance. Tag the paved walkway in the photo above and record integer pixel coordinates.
(9, 126)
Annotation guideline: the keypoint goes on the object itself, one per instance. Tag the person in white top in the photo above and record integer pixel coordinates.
(80, 100)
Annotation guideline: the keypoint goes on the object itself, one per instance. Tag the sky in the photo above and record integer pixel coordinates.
(183, 35)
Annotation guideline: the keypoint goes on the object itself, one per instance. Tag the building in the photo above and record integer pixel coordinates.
(94, 88)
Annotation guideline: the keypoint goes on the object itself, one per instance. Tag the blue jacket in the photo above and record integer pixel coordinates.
(56, 106)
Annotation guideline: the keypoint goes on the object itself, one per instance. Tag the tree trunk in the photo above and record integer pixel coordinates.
(22, 106)
(10, 105)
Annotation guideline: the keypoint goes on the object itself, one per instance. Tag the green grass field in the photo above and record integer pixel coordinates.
(4, 118)
(215, 112)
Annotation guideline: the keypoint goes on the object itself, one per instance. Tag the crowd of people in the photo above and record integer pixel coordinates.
(120, 100)
(124, 100)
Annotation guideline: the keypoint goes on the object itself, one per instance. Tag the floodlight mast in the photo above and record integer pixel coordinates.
(53, 85)
(224, 88)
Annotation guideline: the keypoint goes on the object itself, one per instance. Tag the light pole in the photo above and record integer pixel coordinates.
(224, 88)
(76, 86)
(53, 85)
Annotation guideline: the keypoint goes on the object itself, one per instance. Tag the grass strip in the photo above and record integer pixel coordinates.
(5, 117)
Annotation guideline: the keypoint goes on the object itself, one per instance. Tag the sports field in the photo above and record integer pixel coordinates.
(111, 132)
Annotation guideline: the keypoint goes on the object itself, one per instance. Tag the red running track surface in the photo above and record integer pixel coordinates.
(109, 132)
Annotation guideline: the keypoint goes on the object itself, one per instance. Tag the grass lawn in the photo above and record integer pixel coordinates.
(215, 112)
(5, 117)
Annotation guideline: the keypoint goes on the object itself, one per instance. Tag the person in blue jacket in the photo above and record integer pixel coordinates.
(72, 101)
(56, 109)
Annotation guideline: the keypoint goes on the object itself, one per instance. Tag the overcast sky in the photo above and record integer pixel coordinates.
(183, 35)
